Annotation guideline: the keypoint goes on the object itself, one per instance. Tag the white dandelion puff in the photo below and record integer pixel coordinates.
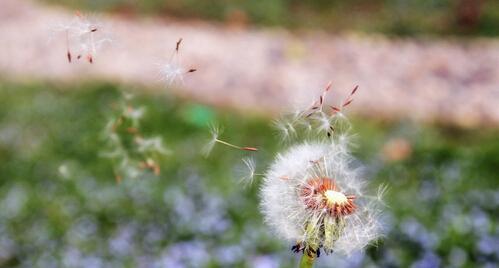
(312, 197)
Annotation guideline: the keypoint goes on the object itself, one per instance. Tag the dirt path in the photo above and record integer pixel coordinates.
(269, 69)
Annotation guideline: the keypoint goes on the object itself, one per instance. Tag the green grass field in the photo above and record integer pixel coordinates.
(60, 204)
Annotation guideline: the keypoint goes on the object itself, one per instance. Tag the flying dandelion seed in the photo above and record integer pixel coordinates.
(215, 133)
(321, 204)
(249, 174)
(318, 118)
(173, 71)
(286, 128)
(83, 37)
(324, 123)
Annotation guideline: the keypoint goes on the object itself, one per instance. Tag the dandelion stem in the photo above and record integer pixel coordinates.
(307, 261)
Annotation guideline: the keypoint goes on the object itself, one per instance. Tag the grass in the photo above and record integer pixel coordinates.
(60, 204)
(393, 17)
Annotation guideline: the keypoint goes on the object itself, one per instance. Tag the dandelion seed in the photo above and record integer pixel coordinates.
(324, 123)
(173, 70)
(282, 127)
(318, 118)
(250, 174)
(215, 132)
(341, 124)
(286, 128)
(382, 190)
(321, 205)
(346, 102)
(83, 37)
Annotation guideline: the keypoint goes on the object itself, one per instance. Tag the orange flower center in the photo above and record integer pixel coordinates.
(323, 193)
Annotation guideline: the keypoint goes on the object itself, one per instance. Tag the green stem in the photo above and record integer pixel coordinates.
(307, 261)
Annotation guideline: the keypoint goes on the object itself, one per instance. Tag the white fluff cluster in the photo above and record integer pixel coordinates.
(173, 70)
(286, 212)
(83, 36)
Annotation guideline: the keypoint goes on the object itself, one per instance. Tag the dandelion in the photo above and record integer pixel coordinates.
(215, 133)
(173, 70)
(312, 197)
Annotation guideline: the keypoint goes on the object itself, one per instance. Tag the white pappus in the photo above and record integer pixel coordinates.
(313, 197)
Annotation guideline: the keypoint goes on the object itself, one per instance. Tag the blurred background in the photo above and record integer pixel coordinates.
(93, 177)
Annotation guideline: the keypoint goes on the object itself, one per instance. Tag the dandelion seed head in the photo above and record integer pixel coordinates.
(321, 203)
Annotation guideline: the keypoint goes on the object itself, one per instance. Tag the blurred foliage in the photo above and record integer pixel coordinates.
(61, 206)
(394, 17)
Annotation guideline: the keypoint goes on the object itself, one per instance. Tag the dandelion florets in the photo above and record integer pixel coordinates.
(312, 197)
